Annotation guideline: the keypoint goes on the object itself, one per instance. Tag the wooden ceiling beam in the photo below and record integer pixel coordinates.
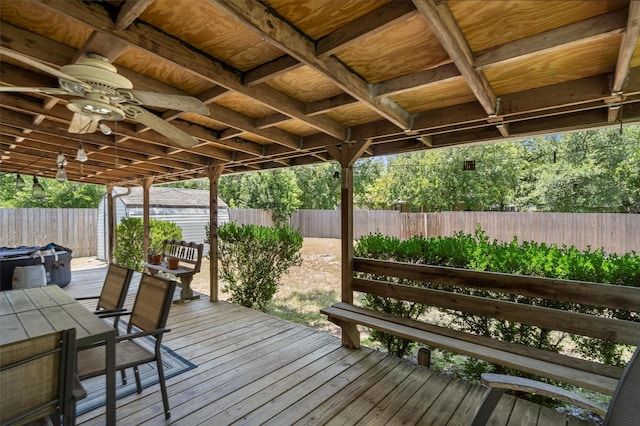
(129, 12)
(627, 47)
(374, 22)
(563, 37)
(168, 49)
(446, 29)
(282, 34)
(266, 72)
(625, 55)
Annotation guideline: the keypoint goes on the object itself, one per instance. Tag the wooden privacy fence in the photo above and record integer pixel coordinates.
(616, 233)
(72, 228)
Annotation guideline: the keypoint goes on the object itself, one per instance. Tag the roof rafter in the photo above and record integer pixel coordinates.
(257, 16)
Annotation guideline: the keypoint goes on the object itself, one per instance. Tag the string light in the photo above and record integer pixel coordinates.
(19, 182)
(61, 176)
(81, 155)
(37, 191)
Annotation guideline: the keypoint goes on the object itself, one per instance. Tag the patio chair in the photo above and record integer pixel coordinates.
(623, 410)
(37, 378)
(114, 291)
(148, 318)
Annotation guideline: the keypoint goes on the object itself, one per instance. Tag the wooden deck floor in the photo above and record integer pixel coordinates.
(255, 369)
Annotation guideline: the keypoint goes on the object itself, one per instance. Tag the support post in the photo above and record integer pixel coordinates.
(214, 173)
(146, 221)
(110, 224)
(347, 156)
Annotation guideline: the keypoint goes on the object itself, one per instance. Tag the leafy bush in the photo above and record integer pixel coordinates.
(529, 258)
(253, 258)
(130, 233)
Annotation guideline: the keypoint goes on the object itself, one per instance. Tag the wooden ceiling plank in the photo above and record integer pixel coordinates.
(446, 29)
(288, 39)
(627, 48)
(158, 44)
(565, 36)
(244, 123)
(129, 12)
(365, 26)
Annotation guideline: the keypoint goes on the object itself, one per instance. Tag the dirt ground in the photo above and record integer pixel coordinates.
(304, 290)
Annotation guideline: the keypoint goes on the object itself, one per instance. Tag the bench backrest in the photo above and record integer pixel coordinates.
(542, 313)
(190, 253)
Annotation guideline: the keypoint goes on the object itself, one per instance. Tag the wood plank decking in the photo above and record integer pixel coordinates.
(254, 368)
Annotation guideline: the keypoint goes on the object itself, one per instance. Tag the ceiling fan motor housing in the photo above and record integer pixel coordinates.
(98, 72)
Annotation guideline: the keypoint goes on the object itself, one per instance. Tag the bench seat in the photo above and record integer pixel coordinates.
(577, 372)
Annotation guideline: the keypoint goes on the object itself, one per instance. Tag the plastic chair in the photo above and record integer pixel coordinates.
(623, 410)
(37, 376)
(148, 319)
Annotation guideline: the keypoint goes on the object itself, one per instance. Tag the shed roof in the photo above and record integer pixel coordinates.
(168, 197)
(298, 82)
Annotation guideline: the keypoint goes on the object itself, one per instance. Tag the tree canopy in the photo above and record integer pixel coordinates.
(590, 171)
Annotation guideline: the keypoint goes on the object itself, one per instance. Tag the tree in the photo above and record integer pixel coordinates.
(58, 195)
(319, 186)
(585, 172)
(275, 190)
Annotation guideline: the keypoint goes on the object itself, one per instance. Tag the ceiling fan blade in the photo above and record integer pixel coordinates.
(42, 67)
(45, 90)
(166, 129)
(82, 124)
(168, 101)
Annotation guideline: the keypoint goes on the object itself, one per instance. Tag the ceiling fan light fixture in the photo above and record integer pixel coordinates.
(96, 110)
(61, 176)
(19, 182)
(37, 191)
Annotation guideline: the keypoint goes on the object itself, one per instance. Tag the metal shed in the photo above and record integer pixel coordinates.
(188, 208)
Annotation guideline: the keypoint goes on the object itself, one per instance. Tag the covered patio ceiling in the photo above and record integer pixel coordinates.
(288, 82)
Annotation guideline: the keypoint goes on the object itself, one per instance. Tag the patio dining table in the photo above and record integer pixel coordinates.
(31, 312)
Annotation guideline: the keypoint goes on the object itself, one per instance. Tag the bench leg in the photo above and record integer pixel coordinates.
(350, 335)
(489, 402)
(186, 293)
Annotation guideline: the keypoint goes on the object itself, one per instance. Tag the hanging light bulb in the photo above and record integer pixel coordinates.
(81, 155)
(61, 160)
(61, 176)
(19, 182)
(104, 128)
(38, 191)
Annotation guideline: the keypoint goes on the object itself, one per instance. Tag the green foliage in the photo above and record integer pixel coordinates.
(275, 190)
(130, 234)
(528, 258)
(254, 258)
(58, 195)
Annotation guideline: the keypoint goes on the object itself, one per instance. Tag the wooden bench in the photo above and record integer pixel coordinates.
(190, 257)
(544, 363)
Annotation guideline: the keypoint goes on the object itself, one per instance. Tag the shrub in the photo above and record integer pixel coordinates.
(529, 258)
(130, 234)
(253, 259)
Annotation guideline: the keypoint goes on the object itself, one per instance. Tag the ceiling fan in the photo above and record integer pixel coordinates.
(106, 95)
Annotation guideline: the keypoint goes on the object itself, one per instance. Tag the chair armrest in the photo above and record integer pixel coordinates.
(503, 381)
(87, 297)
(138, 334)
(106, 313)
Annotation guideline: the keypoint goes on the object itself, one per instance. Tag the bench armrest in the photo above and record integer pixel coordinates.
(498, 383)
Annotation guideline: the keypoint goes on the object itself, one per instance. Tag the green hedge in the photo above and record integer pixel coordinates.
(528, 258)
